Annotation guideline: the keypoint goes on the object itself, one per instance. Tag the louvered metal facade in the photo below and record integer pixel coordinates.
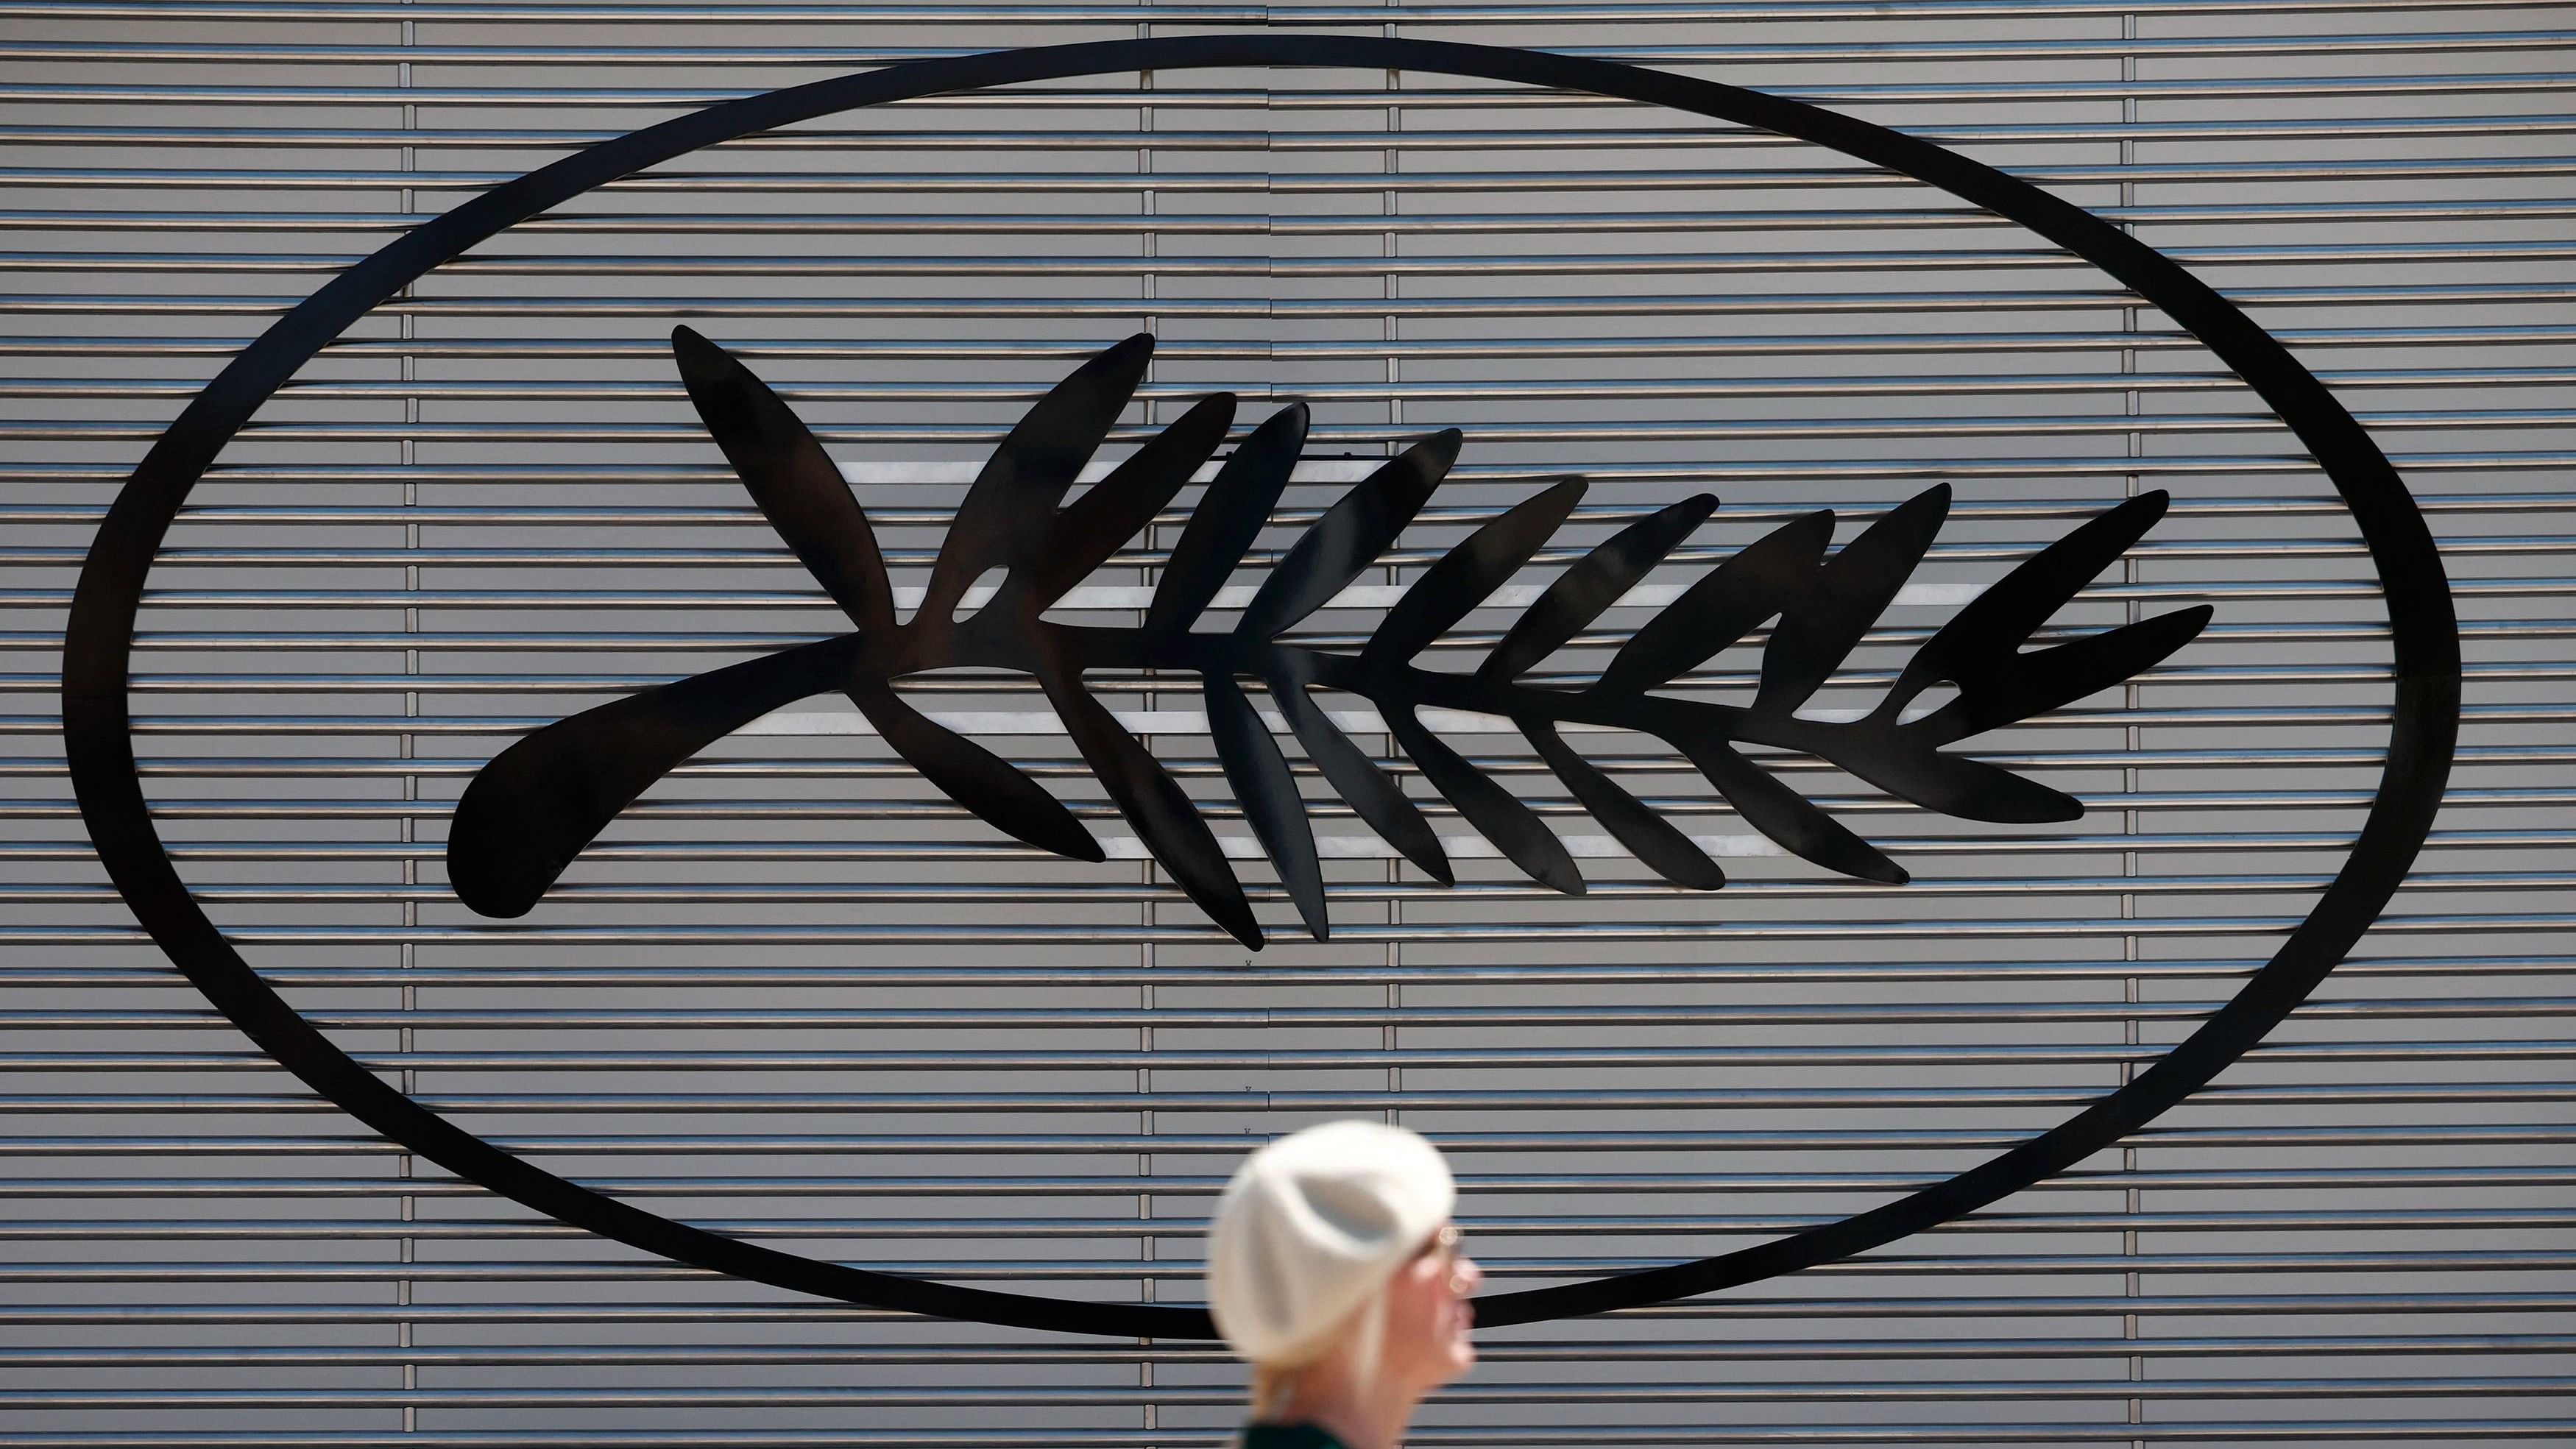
(796, 996)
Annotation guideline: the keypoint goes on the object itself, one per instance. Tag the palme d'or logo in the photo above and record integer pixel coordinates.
(529, 813)
(534, 808)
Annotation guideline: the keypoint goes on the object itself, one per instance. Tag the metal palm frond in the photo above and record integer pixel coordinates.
(530, 812)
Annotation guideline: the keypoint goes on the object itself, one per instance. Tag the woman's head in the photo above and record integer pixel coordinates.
(1332, 1252)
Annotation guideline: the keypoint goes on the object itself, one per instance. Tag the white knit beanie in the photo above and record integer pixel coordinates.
(1314, 1223)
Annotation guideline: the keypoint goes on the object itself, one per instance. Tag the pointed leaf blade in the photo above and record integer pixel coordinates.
(1160, 812)
(1785, 816)
(1819, 630)
(1594, 583)
(1268, 793)
(797, 485)
(1349, 537)
(1724, 606)
(1118, 507)
(1468, 574)
(1958, 786)
(1985, 635)
(2047, 679)
(987, 786)
(530, 812)
(1227, 520)
(1372, 796)
(1513, 827)
(1658, 845)
(1006, 513)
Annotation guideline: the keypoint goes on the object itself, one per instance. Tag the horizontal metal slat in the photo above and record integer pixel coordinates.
(1485, 264)
(718, 1185)
(1123, 597)
(1440, 224)
(1319, 98)
(1369, 436)
(1187, 931)
(1495, 139)
(592, 553)
(1499, 1059)
(356, 767)
(1273, 350)
(1058, 12)
(2062, 299)
(2432, 1430)
(1849, 1390)
(133, 52)
(1077, 1018)
(1496, 1350)
(1592, 970)
(1954, 385)
(1964, 1099)
(817, 1144)
(1485, 1226)
(2143, 887)
(1064, 1270)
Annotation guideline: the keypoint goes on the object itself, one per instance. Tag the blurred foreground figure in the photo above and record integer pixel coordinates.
(1334, 1270)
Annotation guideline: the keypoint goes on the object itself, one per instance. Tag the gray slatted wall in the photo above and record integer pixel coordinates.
(796, 997)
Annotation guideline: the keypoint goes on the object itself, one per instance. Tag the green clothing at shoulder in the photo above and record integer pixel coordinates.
(1287, 1436)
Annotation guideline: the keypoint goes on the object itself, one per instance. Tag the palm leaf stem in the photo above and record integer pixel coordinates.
(1394, 688)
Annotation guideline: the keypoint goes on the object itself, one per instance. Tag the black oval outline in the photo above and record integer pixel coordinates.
(99, 637)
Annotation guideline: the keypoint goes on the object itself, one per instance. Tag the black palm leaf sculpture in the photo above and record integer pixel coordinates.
(541, 802)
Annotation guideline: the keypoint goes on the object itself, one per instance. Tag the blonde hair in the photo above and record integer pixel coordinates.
(1358, 1338)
